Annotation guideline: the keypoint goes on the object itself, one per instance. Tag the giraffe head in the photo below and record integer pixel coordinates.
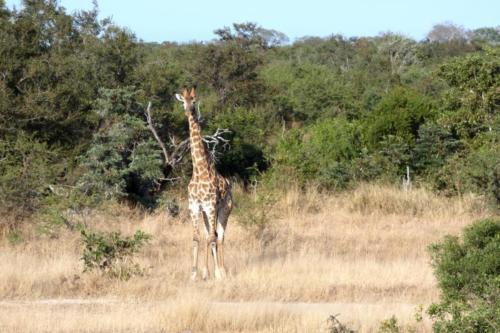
(188, 99)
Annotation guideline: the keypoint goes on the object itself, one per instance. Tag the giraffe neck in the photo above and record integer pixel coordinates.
(202, 165)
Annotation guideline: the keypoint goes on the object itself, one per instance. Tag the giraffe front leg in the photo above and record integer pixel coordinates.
(195, 217)
(205, 273)
(206, 248)
(194, 268)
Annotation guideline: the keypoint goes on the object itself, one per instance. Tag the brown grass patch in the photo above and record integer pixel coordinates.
(361, 253)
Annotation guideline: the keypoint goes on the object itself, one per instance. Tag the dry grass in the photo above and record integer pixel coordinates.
(361, 254)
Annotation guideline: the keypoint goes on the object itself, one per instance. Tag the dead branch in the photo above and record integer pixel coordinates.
(155, 134)
(179, 150)
(176, 150)
(18, 84)
(214, 140)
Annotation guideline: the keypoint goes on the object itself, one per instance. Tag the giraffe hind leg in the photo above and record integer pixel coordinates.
(220, 250)
(222, 217)
(211, 215)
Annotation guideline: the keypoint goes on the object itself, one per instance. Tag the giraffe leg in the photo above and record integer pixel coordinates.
(212, 239)
(195, 216)
(206, 272)
(222, 217)
(194, 269)
(220, 249)
(217, 271)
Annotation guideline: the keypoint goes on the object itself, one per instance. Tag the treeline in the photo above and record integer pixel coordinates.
(331, 111)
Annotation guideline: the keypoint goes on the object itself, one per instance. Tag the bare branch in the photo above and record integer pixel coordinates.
(180, 149)
(214, 140)
(155, 134)
(175, 151)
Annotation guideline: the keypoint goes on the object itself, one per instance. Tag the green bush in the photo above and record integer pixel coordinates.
(400, 113)
(433, 146)
(244, 157)
(482, 167)
(123, 161)
(473, 96)
(321, 153)
(111, 253)
(27, 170)
(389, 326)
(309, 91)
(468, 273)
(335, 326)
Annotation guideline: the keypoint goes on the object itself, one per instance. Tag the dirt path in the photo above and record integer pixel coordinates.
(141, 315)
(297, 307)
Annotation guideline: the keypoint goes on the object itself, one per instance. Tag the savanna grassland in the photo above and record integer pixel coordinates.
(361, 254)
(318, 134)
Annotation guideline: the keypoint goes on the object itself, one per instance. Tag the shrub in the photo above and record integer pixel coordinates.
(473, 96)
(468, 273)
(256, 207)
(27, 170)
(320, 153)
(400, 113)
(111, 253)
(249, 130)
(434, 145)
(309, 91)
(123, 160)
(389, 326)
(482, 168)
(335, 326)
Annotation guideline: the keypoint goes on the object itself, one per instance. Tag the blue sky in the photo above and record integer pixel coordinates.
(184, 21)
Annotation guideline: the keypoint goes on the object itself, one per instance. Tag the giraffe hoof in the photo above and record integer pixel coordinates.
(205, 274)
(219, 275)
(194, 276)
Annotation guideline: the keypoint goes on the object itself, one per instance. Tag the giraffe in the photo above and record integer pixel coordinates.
(210, 199)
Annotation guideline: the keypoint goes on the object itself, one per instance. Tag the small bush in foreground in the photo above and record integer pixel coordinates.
(389, 326)
(111, 253)
(335, 326)
(468, 272)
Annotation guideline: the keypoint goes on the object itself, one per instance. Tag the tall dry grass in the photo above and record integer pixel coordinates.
(361, 254)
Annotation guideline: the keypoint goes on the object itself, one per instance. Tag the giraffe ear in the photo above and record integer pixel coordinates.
(185, 93)
(193, 93)
(179, 98)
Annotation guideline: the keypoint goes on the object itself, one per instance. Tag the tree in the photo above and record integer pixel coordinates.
(230, 65)
(27, 171)
(400, 51)
(433, 146)
(487, 35)
(472, 98)
(123, 160)
(447, 32)
(308, 91)
(400, 113)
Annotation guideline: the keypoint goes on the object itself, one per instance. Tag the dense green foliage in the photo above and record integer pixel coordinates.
(111, 253)
(332, 111)
(468, 272)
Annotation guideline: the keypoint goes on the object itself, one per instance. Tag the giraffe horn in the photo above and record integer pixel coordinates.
(193, 93)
